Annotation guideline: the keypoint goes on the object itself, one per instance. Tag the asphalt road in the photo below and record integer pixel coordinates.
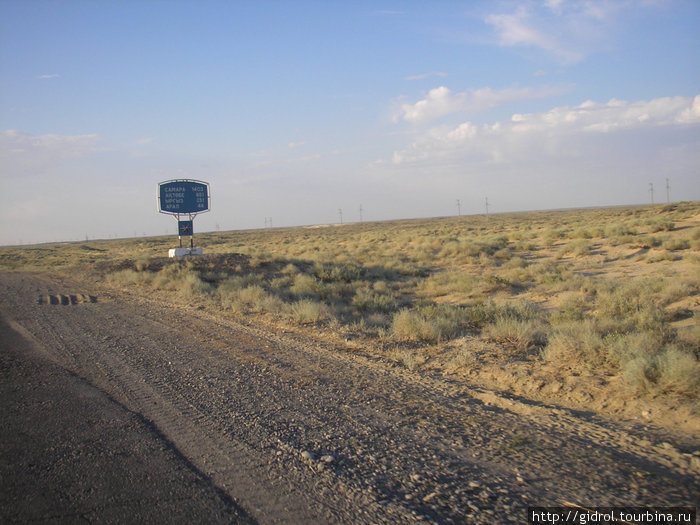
(69, 453)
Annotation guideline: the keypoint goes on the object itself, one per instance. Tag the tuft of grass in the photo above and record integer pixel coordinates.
(520, 334)
(672, 371)
(307, 311)
(408, 325)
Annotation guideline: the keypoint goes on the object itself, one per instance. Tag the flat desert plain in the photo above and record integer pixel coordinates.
(446, 370)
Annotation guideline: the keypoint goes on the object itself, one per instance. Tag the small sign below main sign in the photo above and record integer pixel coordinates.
(183, 197)
(185, 228)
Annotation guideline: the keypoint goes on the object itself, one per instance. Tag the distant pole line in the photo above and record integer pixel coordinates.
(668, 192)
(340, 214)
(487, 206)
(651, 190)
(360, 213)
(459, 208)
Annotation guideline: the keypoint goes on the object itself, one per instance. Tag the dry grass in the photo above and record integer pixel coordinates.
(611, 290)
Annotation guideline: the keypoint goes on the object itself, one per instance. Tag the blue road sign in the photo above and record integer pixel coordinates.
(185, 228)
(183, 197)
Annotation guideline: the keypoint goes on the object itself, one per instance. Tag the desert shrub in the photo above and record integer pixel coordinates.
(522, 334)
(192, 286)
(503, 254)
(307, 285)
(329, 272)
(623, 300)
(240, 281)
(549, 273)
(660, 225)
(524, 246)
(581, 233)
(290, 269)
(671, 371)
(367, 301)
(252, 295)
(433, 323)
(578, 248)
(130, 277)
(240, 299)
(380, 286)
(619, 230)
(407, 358)
(577, 343)
(519, 310)
(409, 325)
(307, 311)
(572, 308)
(663, 256)
(674, 244)
(447, 282)
(142, 264)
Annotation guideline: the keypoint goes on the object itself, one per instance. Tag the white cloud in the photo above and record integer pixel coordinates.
(426, 75)
(519, 29)
(541, 134)
(569, 30)
(46, 77)
(22, 153)
(441, 101)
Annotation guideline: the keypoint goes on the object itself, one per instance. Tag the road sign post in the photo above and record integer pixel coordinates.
(184, 198)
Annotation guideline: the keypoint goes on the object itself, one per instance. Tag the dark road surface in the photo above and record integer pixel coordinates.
(71, 454)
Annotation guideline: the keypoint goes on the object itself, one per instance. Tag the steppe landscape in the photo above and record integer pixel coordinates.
(448, 370)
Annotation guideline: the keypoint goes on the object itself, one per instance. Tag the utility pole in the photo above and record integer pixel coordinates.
(668, 192)
(459, 208)
(360, 213)
(487, 207)
(340, 214)
(651, 190)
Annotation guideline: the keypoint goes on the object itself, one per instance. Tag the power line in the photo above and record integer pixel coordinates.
(360, 213)
(668, 192)
(459, 208)
(487, 206)
(651, 190)
(340, 214)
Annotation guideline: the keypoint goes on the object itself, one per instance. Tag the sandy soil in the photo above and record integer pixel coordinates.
(276, 426)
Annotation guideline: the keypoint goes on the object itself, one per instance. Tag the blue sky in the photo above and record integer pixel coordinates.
(294, 110)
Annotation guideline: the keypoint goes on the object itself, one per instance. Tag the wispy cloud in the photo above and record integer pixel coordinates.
(568, 30)
(522, 29)
(22, 153)
(46, 77)
(426, 75)
(441, 101)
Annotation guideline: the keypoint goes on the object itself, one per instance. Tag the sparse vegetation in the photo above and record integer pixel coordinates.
(563, 289)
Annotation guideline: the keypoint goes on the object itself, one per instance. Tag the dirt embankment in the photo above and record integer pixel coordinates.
(275, 427)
